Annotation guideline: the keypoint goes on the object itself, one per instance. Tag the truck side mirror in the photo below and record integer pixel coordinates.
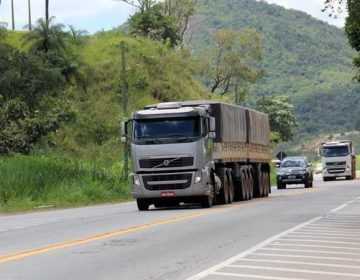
(123, 132)
(212, 124)
(212, 134)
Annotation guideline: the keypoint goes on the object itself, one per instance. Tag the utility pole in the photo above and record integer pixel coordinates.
(12, 15)
(125, 103)
(29, 8)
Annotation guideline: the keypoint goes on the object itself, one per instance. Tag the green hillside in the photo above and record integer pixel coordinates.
(153, 72)
(304, 58)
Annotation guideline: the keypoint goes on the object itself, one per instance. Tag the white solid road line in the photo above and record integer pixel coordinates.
(341, 207)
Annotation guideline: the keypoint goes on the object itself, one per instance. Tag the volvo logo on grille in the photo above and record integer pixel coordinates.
(166, 162)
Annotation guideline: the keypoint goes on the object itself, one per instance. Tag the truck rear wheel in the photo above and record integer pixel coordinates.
(231, 188)
(251, 187)
(266, 184)
(142, 204)
(223, 196)
(244, 187)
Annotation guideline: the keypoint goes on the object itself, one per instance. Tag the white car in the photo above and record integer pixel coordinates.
(319, 168)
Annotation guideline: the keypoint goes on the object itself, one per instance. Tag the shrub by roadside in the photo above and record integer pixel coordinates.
(28, 182)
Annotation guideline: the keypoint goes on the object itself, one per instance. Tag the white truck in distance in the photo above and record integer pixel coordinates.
(338, 160)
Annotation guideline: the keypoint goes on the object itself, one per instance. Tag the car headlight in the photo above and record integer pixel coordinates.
(198, 177)
(136, 180)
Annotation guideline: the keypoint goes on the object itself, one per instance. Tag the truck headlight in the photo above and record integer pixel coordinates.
(136, 179)
(198, 177)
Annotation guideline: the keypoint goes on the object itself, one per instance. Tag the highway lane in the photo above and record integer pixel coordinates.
(118, 242)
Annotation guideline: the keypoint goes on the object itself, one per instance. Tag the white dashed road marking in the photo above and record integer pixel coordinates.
(326, 248)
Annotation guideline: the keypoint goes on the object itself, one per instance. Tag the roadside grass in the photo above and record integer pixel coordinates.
(358, 162)
(30, 182)
(273, 174)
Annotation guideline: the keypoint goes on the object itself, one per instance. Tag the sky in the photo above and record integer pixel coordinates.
(97, 15)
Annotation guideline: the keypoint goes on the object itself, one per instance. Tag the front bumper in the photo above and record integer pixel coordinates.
(169, 185)
(293, 178)
(334, 172)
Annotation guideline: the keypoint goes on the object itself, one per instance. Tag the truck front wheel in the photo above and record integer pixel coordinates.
(142, 204)
(206, 201)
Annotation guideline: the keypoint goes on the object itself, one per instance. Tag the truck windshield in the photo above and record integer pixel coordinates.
(338, 151)
(173, 129)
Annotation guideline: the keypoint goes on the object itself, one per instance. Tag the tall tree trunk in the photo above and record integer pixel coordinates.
(47, 10)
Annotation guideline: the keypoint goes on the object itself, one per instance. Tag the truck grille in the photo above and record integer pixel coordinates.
(336, 170)
(167, 182)
(166, 162)
(335, 163)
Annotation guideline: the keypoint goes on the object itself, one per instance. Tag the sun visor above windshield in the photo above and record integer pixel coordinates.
(164, 113)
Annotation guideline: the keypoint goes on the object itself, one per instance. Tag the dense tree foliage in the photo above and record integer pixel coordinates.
(28, 90)
(352, 24)
(153, 23)
(281, 116)
(230, 60)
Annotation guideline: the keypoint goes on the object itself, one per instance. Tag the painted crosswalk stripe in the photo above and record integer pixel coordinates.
(293, 270)
(306, 256)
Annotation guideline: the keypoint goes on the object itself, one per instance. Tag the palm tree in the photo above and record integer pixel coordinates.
(46, 36)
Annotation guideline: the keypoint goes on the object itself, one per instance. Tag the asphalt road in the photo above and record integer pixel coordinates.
(296, 233)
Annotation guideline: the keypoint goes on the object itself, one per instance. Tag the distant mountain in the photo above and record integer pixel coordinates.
(304, 58)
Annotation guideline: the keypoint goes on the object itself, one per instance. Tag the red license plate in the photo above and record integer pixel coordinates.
(167, 194)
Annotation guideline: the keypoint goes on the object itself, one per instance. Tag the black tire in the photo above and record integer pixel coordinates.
(280, 185)
(223, 195)
(243, 187)
(262, 191)
(266, 184)
(348, 177)
(142, 204)
(308, 184)
(258, 189)
(237, 187)
(251, 187)
(231, 188)
(206, 201)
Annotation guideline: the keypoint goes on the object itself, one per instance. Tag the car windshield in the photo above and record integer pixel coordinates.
(339, 151)
(292, 163)
(169, 128)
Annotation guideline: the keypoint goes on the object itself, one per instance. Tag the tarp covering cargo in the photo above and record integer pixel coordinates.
(242, 134)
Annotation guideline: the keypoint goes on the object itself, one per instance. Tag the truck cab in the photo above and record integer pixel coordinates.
(171, 150)
(338, 160)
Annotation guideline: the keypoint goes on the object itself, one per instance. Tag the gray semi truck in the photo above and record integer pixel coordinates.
(201, 152)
